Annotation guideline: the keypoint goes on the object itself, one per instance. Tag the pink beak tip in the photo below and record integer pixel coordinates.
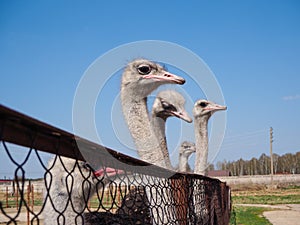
(109, 171)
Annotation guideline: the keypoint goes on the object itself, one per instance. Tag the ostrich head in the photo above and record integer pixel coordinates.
(204, 108)
(70, 184)
(142, 77)
(186, 149)
(77, 180)
(170, 103)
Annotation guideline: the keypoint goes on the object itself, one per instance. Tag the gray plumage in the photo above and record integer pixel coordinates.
(139, 79)
(70, 184)
(186, 149)
(202, 111)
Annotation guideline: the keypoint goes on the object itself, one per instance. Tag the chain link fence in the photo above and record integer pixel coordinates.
(112, 189)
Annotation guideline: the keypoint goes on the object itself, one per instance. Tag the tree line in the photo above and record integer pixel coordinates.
(286, 164)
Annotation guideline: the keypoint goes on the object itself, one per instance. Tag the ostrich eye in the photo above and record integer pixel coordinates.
(86, 166)
(203, 104)
(167, 106)
(144, 69)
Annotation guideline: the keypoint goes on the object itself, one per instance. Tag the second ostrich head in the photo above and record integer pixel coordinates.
(166, 104)
(170, 103)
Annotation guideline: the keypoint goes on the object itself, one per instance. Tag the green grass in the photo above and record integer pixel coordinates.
(253, 215)
(267, 199)
(248, 216)
(291, 187)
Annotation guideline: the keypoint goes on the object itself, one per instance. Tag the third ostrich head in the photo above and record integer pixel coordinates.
(202, 111)
(205, 108)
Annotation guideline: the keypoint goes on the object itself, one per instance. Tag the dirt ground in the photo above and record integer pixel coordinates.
(287, 214)
(21, 218)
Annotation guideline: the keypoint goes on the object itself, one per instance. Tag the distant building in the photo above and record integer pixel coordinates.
(39, 185)
(219, 173)
(5, 181)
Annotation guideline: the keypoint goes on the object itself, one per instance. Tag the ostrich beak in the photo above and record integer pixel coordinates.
(109, 171)
(193, 150)
(216, 107)
(166, 77)
(183, 115)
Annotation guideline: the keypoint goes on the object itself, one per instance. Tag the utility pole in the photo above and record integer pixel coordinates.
(271, 154)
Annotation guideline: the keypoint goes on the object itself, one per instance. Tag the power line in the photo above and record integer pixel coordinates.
(247, 134)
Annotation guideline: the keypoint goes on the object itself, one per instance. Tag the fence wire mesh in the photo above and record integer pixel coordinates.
(72, 191)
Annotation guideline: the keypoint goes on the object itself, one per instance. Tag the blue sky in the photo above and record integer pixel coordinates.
(252, 47)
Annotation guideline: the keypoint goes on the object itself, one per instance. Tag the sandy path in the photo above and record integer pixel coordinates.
(21, 217)
(290, 216)
(287, 214)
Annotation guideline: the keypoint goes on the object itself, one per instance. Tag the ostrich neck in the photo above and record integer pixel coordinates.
(183, 164)
(136, 116)
(159, 128)
(201, 136)
(70, 206)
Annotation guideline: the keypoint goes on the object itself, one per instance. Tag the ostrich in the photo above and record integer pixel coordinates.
(166, 104)
(202, 111)
(69, 187)
(186, 149)
(139, 79)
